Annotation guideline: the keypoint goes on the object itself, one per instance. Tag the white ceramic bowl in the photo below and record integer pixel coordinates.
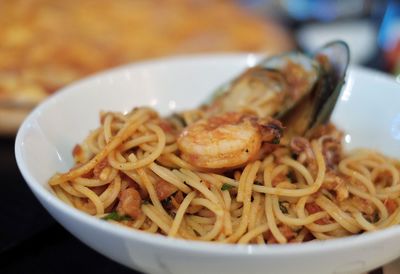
(368, 111)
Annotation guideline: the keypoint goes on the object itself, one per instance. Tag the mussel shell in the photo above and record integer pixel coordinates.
(316, 108)
(271, 88)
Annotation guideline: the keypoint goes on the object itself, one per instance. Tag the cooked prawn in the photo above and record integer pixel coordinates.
(228, 140)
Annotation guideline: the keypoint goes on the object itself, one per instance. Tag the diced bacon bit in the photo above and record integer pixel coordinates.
(335, 183)
(78, 154)
(143, 193)
(206, 183)
(99, 189)
(99, 167)
(177, 199)
(363, 205)
(286, 231)
(129, 203)
(314, 208)
(308, 237)
(383, 178)
(278, 179)
(391, 205)
(205, 212)
(192, 209)
(166, 126)
(164, 189)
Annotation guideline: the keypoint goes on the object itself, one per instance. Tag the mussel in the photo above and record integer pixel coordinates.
(299, 89)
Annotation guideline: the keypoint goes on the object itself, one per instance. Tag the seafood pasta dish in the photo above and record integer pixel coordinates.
(259, 163)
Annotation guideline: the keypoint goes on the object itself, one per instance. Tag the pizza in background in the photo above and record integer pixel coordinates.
(46, 44)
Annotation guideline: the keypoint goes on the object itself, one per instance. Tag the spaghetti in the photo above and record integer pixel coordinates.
(132, 170)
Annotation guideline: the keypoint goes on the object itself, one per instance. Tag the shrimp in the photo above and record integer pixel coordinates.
(227, 140)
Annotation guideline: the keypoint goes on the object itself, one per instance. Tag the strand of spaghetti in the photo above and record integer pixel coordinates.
(294, 221)
(198, 228)
(187, 230)
(299, 168)
(170, 177)
(123, 134)
(62, 195)
(138, 141)
(227, 213)
(261, 220)
(336, 213)
(378, 203)
(363, 222)
(178, 161)
(92, 197)
(180, 213)
(301, 235)
(269, 213)
(91, 143)
(132, 174)
(361, 178)
(107, 127)
(201, 220)
(271, 221)
(195, 182)
(249, 180)
(395, 174)
(152, 228)
(111, 193)
(90, 182)
(167, 148)
(219, 213)
(317, 228)
(151, 191)
(253, 210)
(66, 186)
(385, 223)
(151, 213)
(150, 158)
(246, 238)
(321, 236)
(139, 221)
(242, 183)
(209, 177)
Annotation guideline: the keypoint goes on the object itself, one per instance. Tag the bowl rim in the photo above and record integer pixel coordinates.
(49, 199)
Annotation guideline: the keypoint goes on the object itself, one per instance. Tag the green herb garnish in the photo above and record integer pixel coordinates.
(226, 187)
(291, 176)
(116, 217)
(283, 207)
(166, 202)
(276, 140)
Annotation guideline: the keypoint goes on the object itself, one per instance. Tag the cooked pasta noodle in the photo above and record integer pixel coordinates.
(132, 170)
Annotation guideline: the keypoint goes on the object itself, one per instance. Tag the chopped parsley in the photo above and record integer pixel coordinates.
(291, 176)
(276, 140)
(116, 217)
(166, 202)
(226, 187)
(282, 207)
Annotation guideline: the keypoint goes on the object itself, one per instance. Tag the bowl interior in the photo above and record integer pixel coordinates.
(367, 111)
